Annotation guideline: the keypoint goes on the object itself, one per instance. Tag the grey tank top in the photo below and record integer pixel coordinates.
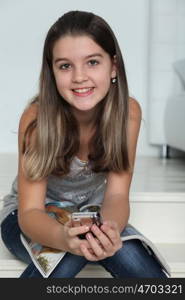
(80, 187)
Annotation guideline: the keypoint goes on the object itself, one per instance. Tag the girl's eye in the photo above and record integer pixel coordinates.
(64, 66)
(93, 62)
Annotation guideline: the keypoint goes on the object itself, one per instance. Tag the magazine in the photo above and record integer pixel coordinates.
(46, 259)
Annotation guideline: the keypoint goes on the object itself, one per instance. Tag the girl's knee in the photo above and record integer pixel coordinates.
(133, 260)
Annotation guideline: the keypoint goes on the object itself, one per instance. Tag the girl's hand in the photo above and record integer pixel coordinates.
(72, 241)
(105, 243)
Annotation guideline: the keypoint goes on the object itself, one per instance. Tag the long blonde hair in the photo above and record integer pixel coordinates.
(56, 129)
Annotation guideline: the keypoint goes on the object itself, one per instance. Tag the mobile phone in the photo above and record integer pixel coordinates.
(86, 218)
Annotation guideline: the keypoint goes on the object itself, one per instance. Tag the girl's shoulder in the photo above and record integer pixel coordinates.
(31, 110)
(29, 114)
(135, 112)
(27, 118)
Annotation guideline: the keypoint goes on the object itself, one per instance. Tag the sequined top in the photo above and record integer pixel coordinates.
(80, 187)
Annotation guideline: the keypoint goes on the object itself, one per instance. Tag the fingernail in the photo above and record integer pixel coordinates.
(89, 236)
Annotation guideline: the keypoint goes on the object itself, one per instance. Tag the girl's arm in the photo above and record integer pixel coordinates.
(33, 219)
(116, 200)
(115, 207)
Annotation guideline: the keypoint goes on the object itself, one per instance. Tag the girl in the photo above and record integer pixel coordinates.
(77, 143)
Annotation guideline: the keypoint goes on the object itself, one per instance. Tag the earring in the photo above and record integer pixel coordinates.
(114, 80)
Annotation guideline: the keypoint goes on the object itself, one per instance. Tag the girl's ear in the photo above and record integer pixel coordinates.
(114, 67)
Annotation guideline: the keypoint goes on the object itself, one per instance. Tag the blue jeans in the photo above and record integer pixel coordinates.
(131, 261)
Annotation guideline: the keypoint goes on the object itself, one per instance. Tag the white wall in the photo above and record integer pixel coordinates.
(23, 27)
(167, 45)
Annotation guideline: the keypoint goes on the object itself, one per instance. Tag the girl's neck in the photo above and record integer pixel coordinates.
(86, 120)
(87, 127)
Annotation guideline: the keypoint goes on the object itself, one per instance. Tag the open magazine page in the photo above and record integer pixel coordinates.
(46, 258)
(43, 258)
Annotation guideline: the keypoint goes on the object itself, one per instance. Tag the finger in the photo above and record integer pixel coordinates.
(74, 231)
(102, 238)
(98, 250)
(88, 253)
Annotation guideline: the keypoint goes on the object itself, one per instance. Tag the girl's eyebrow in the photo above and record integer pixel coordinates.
(67, 59)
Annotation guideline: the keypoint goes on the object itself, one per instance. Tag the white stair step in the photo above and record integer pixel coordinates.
(159, 216)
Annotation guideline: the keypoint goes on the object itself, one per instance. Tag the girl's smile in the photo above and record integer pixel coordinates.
(83, 92)
(83, 71)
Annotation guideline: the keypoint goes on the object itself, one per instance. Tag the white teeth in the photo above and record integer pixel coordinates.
(82, 90)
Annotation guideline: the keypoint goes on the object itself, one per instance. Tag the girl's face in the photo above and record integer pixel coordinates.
(82, 70)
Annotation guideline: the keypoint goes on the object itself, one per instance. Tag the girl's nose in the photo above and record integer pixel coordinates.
(79, 75)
